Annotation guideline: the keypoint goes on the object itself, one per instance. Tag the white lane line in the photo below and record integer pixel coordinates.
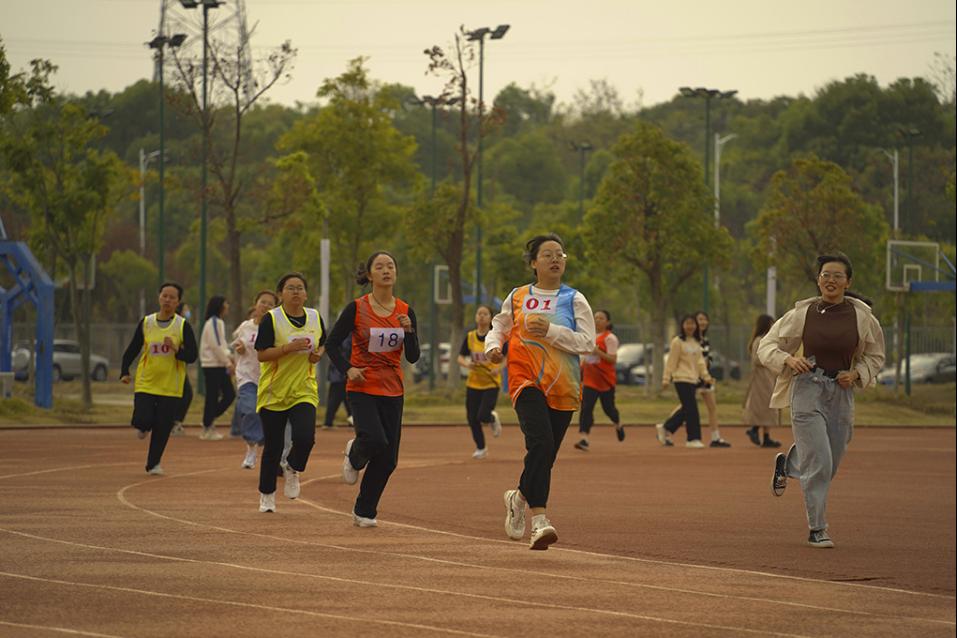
(365, 583)
(62, 630)
(67, 469)
(288, 610)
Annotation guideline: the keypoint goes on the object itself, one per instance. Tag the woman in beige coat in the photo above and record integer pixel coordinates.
(758, 412)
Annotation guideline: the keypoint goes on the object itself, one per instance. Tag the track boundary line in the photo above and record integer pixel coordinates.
(62, 630)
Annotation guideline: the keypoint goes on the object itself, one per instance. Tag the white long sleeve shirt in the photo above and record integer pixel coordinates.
(214, 348)
(578, 341)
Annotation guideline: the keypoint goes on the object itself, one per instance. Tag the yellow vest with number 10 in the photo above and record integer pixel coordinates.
(159, 372)
(291, 378)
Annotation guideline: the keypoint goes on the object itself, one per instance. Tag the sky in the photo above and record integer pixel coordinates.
(645, 49)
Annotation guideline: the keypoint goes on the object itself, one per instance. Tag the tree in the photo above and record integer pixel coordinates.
(652, 220)
(124, 274)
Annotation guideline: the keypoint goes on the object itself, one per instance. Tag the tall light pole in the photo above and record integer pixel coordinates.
(719, 142)
(582, 148)
(707, 95)
(910, 135)
(434, 103)
(145, 159)
(158, 44)
(894, 158)
(479, 34)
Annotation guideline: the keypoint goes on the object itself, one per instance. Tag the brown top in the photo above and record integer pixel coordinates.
(830, 334)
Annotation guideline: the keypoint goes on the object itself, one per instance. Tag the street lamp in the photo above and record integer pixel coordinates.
(707, 95)
(479, 34)
(158, 44)
(582, 148)
(719, 142)
(895, 162)
(910, 135)
(145, 159)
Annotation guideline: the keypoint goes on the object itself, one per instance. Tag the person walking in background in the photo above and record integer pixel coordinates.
(182, 408)
(336, 395)
(685, 367)
(382, 328)
(547, 326)
(288, 345)
(217, 366)
(483, 384)
(843, 347)
(599, 380)
(707, 390)
(247, 375)
(757, 411)
(165, 344)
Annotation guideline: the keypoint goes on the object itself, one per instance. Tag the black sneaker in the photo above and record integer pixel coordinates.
(582, 445)
(720, 443)
(769, 442)
(753, 435)
(779, 480)
(819, 538)
(620, 432)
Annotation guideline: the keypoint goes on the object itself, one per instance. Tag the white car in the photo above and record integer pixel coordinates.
(66, 362)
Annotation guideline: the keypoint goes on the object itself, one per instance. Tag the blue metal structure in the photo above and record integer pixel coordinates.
(32, 284)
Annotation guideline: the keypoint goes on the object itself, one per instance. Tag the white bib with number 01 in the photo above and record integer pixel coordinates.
(385, 339)
(540, 304)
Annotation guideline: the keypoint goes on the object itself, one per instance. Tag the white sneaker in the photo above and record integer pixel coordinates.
(250, 461)
(480, 454)
(349, 474)
(291, 487)
(696, 443)
(349, 420)
(514, 515)
(267, 502)
(177, 430)
(543, 534)
(210, 434)
(156, 470)
(362, 521)
(140, 434)
(661, 434)
(496, 425)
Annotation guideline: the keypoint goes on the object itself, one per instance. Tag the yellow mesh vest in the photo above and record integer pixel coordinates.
(159, 372)
(290, 379)
(483, 374)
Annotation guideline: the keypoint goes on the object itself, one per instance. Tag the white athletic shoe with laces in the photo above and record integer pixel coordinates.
(496, 424)
(250, 461)
(349, 474)
(480, 454)
(543, 534)
(362, 521)
(514, 515)
(156, 470)
(291, 486)
(267, 502)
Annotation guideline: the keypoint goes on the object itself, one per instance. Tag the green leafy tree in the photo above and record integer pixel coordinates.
(123, 275)
(652, 220)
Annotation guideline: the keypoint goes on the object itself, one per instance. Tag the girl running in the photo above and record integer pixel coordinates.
(165, 343)
(484, 382)
(247, 375)
(685, 367)
(757, 412)
(547, 325)
(843, 347)
(183, 407)
(382, 327)
(599, 380)
(217, 365)
(288, 345)
(706, 390)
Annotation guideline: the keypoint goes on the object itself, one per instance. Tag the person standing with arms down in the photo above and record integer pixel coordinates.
(382, 328)
(165, 343)
(483, 384)
(685, 367)
(757, 411)
(288, 345)
(248, 370)
(599, 380)
(217, 367)
(547, 326)
(707, 390)
(843, 347)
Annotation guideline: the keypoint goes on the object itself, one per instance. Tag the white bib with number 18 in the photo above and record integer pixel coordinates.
(385, 339)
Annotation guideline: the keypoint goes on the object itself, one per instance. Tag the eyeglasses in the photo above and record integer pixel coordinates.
(548, 255)
(832, 276)
(295, 289)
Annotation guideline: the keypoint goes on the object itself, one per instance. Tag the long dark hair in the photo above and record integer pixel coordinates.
(362, 272)
(706, 316)
(681, 329)
(215, 306)
(761, 327)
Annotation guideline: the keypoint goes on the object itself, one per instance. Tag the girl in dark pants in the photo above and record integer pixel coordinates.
(337, 390)
(288, 345)
(217, 367)
(382, 327)
(182, 408)
(599, 380)
(483, 384)
(547, 325)
(165, 343)
(685, 367)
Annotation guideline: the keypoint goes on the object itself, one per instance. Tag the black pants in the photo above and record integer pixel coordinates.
(337, 397)
(589, 397)
(302, 419)
(220, 394)
(182, 406)
(378, 423)
(688, 413)
(478, 409)
(153, 413)
(544, 429)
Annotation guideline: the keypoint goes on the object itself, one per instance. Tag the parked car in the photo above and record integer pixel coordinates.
(638, 374)
(421, 368)
(931, 367)
(66, 362)
(630, 356)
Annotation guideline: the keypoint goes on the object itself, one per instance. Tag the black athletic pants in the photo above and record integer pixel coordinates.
(337, 397)
(378, 424)
(478, 408)
(154, 413)
(182, 406)
(302, 419)
(544, 429)
(220, 394)
(589, 397)
(688, 413)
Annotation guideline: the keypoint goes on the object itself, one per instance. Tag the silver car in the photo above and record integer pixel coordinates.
(66, 362)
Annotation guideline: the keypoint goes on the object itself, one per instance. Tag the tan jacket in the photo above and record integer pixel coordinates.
(685, 362)
(784, 339)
